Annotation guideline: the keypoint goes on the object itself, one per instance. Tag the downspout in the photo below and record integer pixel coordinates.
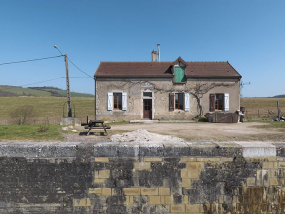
(239, 97)
(95, 98)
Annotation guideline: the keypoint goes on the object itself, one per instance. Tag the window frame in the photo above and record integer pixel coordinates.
(180, 98)
(116, 106)
(217, 103)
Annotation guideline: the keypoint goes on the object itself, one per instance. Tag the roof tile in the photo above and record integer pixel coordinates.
(163, 69)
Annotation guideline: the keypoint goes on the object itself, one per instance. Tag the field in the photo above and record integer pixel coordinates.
(47, 109)
(51, 109)
(262, 108)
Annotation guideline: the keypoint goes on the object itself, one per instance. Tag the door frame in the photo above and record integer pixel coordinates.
(147, 98)
(150, 116)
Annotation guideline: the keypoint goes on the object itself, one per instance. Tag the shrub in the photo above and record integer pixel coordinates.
(22, 114)
(43, 128)
(201, 119)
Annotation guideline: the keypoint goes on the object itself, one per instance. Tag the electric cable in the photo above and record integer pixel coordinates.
(29, 60)
(74, 64)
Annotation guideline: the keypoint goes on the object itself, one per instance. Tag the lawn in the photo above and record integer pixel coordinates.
(31, 132)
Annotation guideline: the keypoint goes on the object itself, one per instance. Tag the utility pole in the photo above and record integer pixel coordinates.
(278, 109)
(69, 112)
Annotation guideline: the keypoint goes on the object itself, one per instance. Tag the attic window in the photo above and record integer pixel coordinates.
(179, 74)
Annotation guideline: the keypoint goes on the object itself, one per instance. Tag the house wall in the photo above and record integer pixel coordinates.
(160, 100)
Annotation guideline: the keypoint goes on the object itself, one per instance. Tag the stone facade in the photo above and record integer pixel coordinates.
(160, 89)
(121, 178)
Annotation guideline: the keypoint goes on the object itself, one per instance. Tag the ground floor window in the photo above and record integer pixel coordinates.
(219, 102)
(117, 101)
(117, 98)
(179, 101)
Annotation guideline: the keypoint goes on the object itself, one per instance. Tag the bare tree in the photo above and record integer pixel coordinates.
(197, 89)
(200, 88)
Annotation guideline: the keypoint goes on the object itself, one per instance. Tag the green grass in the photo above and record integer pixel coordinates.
(272, 125)
(51, 107)
(31, 133)
(276, 124)
(72, 94)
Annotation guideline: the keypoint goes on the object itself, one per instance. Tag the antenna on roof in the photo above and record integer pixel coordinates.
(158, 47)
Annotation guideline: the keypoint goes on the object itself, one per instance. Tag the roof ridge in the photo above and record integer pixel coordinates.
(157, 62)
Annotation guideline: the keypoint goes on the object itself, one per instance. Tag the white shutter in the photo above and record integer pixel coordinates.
(186, 102)
(227, 102)
(110, 101)
(124, 100)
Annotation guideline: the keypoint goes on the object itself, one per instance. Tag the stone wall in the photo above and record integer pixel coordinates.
(160, 100)
(207, 177)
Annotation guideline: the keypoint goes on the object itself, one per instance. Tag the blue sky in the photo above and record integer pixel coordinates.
(249, 34)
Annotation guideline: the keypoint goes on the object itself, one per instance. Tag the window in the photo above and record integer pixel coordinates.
(179, 101)
(117, 101)
(219, 102)
(117, 97)
(179, 74)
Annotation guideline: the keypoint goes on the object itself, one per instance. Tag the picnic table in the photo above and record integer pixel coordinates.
(96, 124)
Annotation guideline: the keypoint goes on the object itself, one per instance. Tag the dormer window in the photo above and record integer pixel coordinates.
(179, 74)
(178, 70)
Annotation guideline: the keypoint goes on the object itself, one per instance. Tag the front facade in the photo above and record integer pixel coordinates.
(176, 90)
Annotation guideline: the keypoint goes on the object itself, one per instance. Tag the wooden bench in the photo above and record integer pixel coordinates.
(96, 124)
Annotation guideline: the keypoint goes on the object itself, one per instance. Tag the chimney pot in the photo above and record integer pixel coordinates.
(154, 56)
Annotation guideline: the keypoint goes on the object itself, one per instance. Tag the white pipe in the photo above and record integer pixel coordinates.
(158, 47)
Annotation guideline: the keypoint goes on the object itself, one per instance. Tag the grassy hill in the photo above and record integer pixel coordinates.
(15, 91)
(280, 96)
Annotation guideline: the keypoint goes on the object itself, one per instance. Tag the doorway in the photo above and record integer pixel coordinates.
(147, 109)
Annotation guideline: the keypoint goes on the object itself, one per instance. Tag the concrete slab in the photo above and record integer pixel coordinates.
(257, 149)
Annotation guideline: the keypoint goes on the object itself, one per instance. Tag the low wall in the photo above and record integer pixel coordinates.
(142, 178)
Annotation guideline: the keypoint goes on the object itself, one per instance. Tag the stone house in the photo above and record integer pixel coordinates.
(155, 90)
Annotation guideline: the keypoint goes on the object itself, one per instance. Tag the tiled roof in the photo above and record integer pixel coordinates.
(163, 69)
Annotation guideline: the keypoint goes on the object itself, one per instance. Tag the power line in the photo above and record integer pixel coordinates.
(79, 68)
(78, 77)
(30, 60)
(42, 81)
(73, 63)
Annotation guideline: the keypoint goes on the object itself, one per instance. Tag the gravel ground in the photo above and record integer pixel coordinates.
(142, 135)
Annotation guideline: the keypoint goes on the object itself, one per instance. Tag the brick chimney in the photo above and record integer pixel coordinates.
(154, 56)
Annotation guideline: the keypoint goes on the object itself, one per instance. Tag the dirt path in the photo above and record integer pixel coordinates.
(195, 132)
(210, 131)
